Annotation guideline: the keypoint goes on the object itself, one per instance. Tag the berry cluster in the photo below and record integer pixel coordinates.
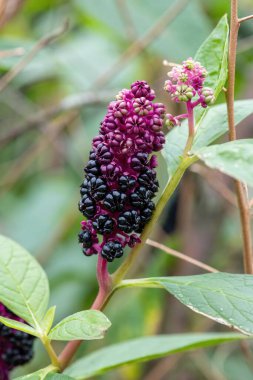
(16, 347)
(186, 85)
(120, 180)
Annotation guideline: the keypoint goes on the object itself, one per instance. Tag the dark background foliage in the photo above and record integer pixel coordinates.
(109, 44)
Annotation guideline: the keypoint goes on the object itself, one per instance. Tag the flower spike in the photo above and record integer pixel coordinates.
(120, 180)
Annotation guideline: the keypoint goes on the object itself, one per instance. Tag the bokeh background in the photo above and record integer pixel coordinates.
(50, 112)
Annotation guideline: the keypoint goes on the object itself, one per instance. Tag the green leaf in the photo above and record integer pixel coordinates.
(142, 349)
(213, 55)
(58, 376)
(23, 283)
(234, 158)
(225, 298)
(213, 126)
(85, 325)
(38, 375)
(48, 320)
(18, 326)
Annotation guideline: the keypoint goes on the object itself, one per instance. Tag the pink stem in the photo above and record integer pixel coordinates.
(103, 276)
(190, 107)
(183, 116)
(190, 128)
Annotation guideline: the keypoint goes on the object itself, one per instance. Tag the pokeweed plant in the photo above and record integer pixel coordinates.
(116, 199)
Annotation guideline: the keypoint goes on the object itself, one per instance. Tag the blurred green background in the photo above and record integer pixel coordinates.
(49, 114)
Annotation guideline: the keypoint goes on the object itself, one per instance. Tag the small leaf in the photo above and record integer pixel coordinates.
(23, 283)
(18, 326)
(86, 325)
(213, 55)
(234, 158)
(38, 375)
(143, 349)
(225, 298)
(213, 126)
(48, 320)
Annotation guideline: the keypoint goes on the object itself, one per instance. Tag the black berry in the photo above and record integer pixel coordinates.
(128, 221)
(87, 206)
(126, 182)
(103, 224)
(115, 201)
(85, 238)
(94, 187)
(111, 250)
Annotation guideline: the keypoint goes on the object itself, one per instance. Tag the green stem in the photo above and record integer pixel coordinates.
(169, 190)
(51, 353)
(141, 283)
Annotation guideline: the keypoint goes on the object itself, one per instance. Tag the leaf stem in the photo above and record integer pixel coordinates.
(241, 194)
(140, 282)
(51, 353)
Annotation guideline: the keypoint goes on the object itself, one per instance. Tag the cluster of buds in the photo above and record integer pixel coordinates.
(16, 347)
(120, 180)
(186, 84)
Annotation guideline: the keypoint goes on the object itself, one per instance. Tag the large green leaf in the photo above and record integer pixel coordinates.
(58, 376)
(234, 158)
(213, 55)
(213, 126)
(223, 297)
(86, 325)
(23, 283)
(47, 373)
(142, 349)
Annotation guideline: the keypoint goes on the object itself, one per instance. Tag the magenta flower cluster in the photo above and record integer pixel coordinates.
(16, 347)
(186, 84)
(120, 180)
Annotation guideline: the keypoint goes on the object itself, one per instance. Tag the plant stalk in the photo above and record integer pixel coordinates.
(190, 129)
(51, 353)
(241, 194)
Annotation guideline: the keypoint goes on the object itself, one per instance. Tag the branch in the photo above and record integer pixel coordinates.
(69, 103)
(240, 20)
(7, 78)
(240, 189)
(181, 256)
(126, 18)
(12, 52)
